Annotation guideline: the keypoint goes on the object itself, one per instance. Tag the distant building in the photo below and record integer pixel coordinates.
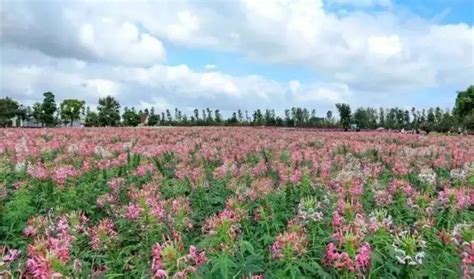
(30, 123)
(144, 119)
(76, 123)
(24, 123)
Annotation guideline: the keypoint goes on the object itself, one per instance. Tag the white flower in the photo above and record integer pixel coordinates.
(458, 174)
(427, 175)
(20, 166)
(419, 257)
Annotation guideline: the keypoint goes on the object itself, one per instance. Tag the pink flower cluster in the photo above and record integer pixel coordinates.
(288, 174)
(468, 260)
(291, 243)
(341, 259)
(225, 225)
(167, 260)
(103, 234)
(144, 169)
(38, 171)
(54, 246)
(458, 198)
(61, 174)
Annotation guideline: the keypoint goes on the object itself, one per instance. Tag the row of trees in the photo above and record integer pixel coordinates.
(108, 113)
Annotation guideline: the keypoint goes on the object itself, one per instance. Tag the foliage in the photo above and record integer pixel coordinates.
(131, 117)
(71, 110)
(48, 108)
(108, 111)
(344, 115)
(8, 109)
(234, 203)
(92, 118)
(464, 102)
(431, 119)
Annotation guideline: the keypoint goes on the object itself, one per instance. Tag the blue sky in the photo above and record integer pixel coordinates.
(239, 54)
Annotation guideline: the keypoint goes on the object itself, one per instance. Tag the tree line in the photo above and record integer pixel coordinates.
(48, 114)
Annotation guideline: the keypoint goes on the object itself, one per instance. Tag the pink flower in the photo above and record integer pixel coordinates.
(198, 258)
(29, 231)
(38, 171)
(61, 174)
(401, 167)
(339, 260)
(296, 176)
(144, 169)
(342, 260)
(160, 273)
(363, 256)
(103, 234)
(39, 267)
(383, 198)
(115, 183)
(133, 211)
(337, 219)
(293, 240)
(12, 255)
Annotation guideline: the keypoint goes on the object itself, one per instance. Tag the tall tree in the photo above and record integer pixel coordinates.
(464, 106)
(71, 109)
(48, 108)
(209, 119)
(344, 115)
(109, 111)
(131, 117)
(329, 118)
(218, 117)
(36, 113)
(196, 114)
(154, 118)
(8, 109)
(240, 115)
(92, 119)
(361, 118)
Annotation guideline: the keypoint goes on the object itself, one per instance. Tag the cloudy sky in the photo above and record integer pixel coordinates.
(239, 54)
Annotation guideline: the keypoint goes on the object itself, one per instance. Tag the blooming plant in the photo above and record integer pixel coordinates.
(234, 203)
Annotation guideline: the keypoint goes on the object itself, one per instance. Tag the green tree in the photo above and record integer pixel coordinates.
(344, 115)
(218, 117)
(381, 117)
(361, 118)
(48, 108)
(92, 118)
(329, 117)
(131, 117)
(209, 118)
(168, 116)
(71, 109)
(153, 119)
(36, 113)
(108, 111)
(464, 106)
(469, 121)
(447, 122)
(8, 109)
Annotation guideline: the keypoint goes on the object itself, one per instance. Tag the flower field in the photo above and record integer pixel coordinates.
(234, 203)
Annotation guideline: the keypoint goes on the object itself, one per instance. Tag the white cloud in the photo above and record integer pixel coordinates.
(328, 93)
(119, 47)
(162, 86)
(121, 43)
(102, 87)
(71, 30)
(345, 49)
(294, 85)
(362, 3)
(385, 45)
